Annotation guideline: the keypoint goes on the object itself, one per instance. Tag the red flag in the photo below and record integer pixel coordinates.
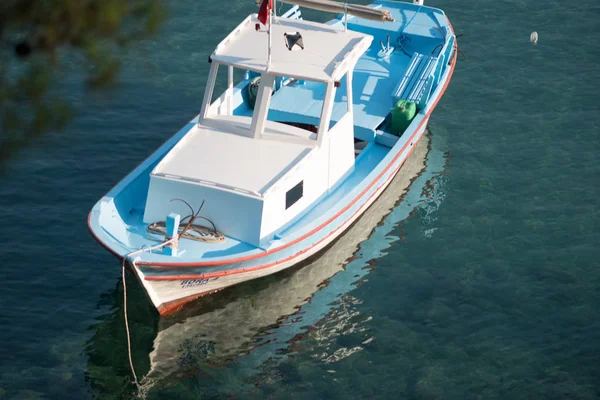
(265, 11)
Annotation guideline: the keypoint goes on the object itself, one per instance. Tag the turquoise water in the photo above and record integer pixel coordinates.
(484, 282)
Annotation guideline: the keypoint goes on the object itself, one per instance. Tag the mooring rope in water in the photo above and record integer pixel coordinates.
(125, 259)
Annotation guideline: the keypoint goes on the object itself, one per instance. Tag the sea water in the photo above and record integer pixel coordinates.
(483, 282)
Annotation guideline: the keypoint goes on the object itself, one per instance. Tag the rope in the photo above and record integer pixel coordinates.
(194, 232)
(137, 384)
(411, 19)
(125, 259)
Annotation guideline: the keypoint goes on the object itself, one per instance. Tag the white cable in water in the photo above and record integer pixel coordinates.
(125, 259)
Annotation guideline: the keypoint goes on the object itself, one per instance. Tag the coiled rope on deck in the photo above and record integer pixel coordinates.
(194, 232)
(197, 232)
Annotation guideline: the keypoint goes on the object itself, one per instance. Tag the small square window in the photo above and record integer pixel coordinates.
(294, 194)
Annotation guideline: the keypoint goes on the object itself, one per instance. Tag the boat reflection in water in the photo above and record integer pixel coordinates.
(252, 324)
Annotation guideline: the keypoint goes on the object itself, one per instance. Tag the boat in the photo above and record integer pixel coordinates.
(249, 325)
(284, 161)
(190, 340)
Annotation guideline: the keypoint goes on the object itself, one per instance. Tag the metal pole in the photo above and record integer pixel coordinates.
(345, 17)
(229, 90)
(269, 34)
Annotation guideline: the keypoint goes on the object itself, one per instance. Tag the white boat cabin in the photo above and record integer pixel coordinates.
(260, 162)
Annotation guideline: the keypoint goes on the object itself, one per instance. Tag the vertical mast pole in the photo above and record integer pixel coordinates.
(229, 90)
(269, 34)
(345, 17)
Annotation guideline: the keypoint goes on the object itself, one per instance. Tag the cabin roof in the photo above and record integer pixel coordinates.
(212, 155)
(328, 51)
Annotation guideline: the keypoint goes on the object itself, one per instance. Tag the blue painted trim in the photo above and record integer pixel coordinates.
(129, 232)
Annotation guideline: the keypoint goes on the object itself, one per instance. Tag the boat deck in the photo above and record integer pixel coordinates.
(374, 77)
(330, 49)
(409, 19)
(258, 163)
(373, 81)
(365, 163)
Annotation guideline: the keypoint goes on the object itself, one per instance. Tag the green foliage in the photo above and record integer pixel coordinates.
(39, 37)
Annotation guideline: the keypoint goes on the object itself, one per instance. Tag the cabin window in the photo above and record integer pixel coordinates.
(294, 194)
(222, 101)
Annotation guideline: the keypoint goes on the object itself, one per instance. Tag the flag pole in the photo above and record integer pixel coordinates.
(265, 17)
(269, 34)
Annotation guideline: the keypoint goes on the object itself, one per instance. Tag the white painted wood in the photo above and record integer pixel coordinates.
(209, 154)
(329, 51)
(270, 34)
(229, 90)
(349, 98)
(326, 114)
(310, 172)
(341, 150)
(234, 213)
(208, 91)
(261, 108)
(347, 61)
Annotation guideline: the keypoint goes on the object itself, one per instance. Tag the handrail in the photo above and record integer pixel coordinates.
(291, 13)
(443, 55)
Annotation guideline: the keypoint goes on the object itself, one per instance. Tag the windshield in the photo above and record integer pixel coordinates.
(293, 102)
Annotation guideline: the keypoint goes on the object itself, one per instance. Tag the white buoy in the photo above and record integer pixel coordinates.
(533, 38)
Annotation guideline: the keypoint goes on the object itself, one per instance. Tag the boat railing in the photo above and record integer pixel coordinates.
(443, 59)
(293, 13)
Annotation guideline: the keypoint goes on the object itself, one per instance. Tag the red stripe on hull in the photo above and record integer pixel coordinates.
(275, 263)
(312, 232)
(318, 228)
(172, 307)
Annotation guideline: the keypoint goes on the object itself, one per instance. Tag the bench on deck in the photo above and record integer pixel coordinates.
(416, 83)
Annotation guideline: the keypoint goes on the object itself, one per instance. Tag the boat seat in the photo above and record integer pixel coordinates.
(416, 83)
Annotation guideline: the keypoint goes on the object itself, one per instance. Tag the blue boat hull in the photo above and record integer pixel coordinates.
(116, 221)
